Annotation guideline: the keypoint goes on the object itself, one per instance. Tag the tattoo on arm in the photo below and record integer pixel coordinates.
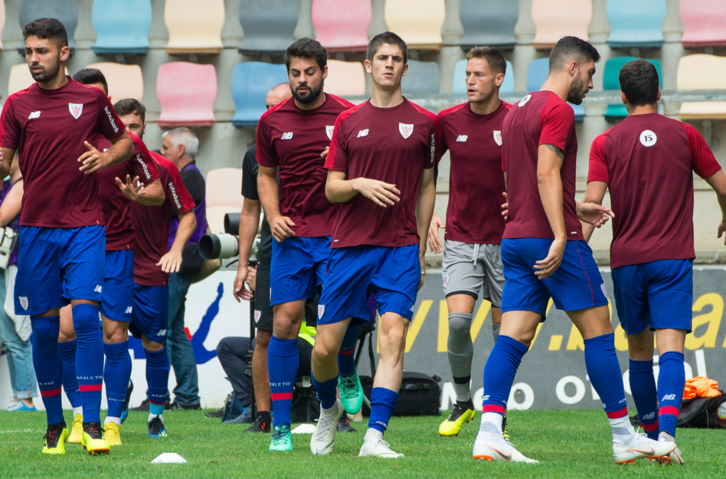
(559, 152)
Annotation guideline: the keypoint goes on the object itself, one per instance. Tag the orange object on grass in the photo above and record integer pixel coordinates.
(701, 386)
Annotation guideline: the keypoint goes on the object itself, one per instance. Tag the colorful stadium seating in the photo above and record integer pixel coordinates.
(702, 72)
(186, 92)
(223, 195)
(704, 23)
(418, 22)
(422, 77)
(636, 23)
(345, 78)
(554, 19)
(124, 81)
(2, 22)
(488, 22)
(267, 26)
(122, 26)
(250, 83)
(460, 78)
(64, 10)
(536, 76)
(617, 112)
(342, 26)
(20, 78)
(194, 26)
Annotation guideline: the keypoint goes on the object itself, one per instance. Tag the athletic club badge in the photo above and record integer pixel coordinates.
(258, 314)
(76, 109)
(24, 302)
(406, 130)
(498, 137)
(329, 131)
(321, 311)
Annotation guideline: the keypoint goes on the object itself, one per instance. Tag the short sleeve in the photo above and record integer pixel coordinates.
(556, 124)
(141, 164)
(9, 128)
(109, 124)
(180, 199)
(702, 160)
(249, 176)
(337, 159)
(443, 147)
(433, 148)
(598, 170)
(266, 155)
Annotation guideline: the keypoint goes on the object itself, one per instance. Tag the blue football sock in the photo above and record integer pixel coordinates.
(89, 359)
(603, 368)
(326, 392)
(671, 381)
(346, 355)
(499, 372)
(116, 374)
(383, 403)
(47, 364)
(157, 379)
(645, 395)
(282, 364)
(70, 383)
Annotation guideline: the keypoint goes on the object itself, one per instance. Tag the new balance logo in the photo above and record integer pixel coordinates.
(162, 332)
(98, 289)
(130, 310)
(362, 133)
(462, 138)
(34, 115)
(286, 136)
(669, 397)
(650, 416)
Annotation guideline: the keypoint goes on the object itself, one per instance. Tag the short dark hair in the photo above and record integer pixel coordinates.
(306, 48)
(639, 82)
(47, 29)
(568, 49)
(128, 106)
(389, 38)
(89, 76)
(497, 62)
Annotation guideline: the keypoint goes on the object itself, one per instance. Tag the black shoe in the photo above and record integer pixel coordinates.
(125, 408)
(175, 406)
(262, 423)
(216, 414)
(144, 406)
(93, 429)
(344, 424)
(156, 428)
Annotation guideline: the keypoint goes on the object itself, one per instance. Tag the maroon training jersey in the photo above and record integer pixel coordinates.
(292, 140)
(116, 205)
(393, 145)
(476, 181)
(540, 118)
(48, 128)
(152, 224)
(647, 160)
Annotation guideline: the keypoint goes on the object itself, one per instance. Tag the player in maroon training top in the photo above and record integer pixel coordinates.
(381, 173)
(472, 132)
(647, 162)
(544, 255)
(54, 125)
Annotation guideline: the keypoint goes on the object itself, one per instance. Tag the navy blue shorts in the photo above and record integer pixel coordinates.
(393, 274)
(118, 285)
(57, 265)
(655, 295)
(298, 268)
(576, 284)
(150, 316)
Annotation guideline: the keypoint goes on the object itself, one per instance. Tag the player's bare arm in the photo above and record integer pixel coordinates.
(424, 212)
(248, 223)
(549, 181)
(171, 261)
(149, 195)
(590, 211)
(269, 192)
(6, 159)
(718, 183)
(339, 189)
(93, 160)
(434, 238)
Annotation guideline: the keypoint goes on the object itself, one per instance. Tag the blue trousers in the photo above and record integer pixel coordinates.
(19, 353)
(181, 353)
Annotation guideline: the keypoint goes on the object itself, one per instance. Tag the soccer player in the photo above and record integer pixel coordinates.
(545, 255)
(54, 124)
(290, 139)
(472, 132)
(381, 173)
(647, 161)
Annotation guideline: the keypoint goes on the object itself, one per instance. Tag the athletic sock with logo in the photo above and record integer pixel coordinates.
(70, 383)
(671, 381)
(116, 374)
(157, 379)
(283, 361)
(326, 392)
(645, 395)
(89, 359)
(383, 403)
(47, 364)
(346, 355)
(499, 372)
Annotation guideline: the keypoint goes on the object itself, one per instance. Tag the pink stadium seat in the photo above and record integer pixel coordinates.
(186, 92)
(342, 26)
(124, 81)
(554, 19)
(704, 23)
(345, 78)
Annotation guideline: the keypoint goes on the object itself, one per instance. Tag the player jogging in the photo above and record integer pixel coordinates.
(54, 125)
(381, 173)
(472, 132)
(647, 160)
(545, 255)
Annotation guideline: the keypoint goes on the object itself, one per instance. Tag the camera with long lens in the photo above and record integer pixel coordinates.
(222, 246)
(8, 238)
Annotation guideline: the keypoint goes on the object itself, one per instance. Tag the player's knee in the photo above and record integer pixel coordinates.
(65, 336)
(460, 325)
(152, 346)
(324, 352)
(224, 347)
(394, 337)
(115, 336)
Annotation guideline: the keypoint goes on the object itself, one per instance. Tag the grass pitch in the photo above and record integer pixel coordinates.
(568, 444)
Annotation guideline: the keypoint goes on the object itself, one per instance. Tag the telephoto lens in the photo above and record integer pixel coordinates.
(219, 246)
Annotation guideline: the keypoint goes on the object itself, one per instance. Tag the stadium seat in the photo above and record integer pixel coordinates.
(250, 83)
(122, 26)
(536, 76)
(20, 78)
(267, 26)
(702, 72)
(124, 81)
(610, 82)
(422, 77)
(554, 19)
(418, 22)
(64, 10)
(704, 23)
(488, 22)
(194, 26)
(2, 22)
(345, 78)
(636, 24)
(186, 92)
(460, 78)
(342, 26)
(223, 196)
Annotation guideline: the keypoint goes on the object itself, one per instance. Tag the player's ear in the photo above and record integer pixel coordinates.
(325, 72)
(405, 69)
(367, 65)
(65, 53)
(572, 68)
(499, 79)
(658, 98)
(625, 100)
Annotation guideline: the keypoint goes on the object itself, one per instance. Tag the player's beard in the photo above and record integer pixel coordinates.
(578, 90)
(310, 96)
(47, 73)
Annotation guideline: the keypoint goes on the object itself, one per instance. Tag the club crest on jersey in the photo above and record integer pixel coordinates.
(524, 100)
(329, 131)
(498, 137)
(258, 315)
(24, 302)
(405, 129)
(321, 311)
(76, 109)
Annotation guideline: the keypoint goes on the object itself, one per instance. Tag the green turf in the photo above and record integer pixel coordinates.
(569, 444)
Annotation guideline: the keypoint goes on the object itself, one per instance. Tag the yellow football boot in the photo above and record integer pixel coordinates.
(462, 413)
(55, 438)
(93, 441)
(76, 436)
(112, 434)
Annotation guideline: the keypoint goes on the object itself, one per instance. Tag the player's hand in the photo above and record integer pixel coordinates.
(594, 214)
(722, 230)
(382, 194)
(170, 262)
(325, 152)
(421, 283)
(549, 265)
(280, 227)
(93, 160)
(505, 206)
(434, 239)
(240, 292)
(252, 277)
(133, 189)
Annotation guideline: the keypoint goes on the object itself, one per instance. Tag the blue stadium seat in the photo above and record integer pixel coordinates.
(617, 112)
(422, 77)
(488, 22)
(122, 26)
(536, 76)
(250, 83)
(64, 10)
(636, 23)
(267, 26)
(460, 78)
